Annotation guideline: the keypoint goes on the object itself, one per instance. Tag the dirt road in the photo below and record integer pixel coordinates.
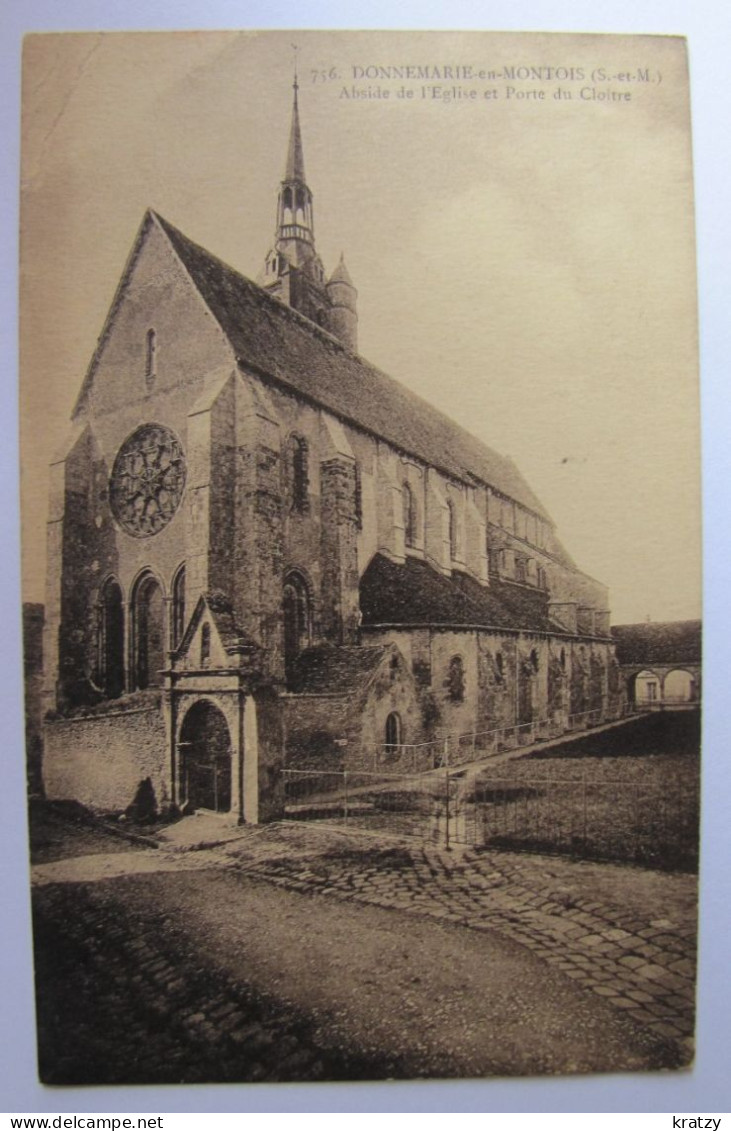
(213, 975)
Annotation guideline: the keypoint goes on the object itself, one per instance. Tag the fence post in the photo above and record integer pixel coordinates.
(446, 813)
(583, 803)
(446, 751)
(345, 795)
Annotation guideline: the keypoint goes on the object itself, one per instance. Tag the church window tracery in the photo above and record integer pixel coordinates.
(147, 480)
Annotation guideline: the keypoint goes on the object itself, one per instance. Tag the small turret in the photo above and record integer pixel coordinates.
(343, 316)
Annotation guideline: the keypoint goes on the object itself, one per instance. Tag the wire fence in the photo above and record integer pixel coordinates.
(607, 819)
(459, 749)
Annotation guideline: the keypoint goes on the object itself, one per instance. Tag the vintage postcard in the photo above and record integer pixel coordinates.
(359, 419)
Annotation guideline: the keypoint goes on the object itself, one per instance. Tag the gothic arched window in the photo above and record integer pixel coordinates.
(205, 644)
(453, 548)
(110, 653)
(178, 620)
(148, 633)
(358, 501)
(297, 616)
(393, 732)
(456, 680)
(151, 356)
(409, 505)
(297, 479)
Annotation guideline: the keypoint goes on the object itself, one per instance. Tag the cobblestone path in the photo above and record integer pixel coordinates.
(638, 956)
(125, 998)
(646, 968)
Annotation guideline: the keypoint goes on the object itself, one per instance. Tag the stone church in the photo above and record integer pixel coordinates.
(263, 551)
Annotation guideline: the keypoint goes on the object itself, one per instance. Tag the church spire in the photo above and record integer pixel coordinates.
(295, 236)
(295, 167)
(293, 271)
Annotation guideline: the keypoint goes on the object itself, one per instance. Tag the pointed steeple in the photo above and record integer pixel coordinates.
(293, 271)
(295, 167)
(295, 237)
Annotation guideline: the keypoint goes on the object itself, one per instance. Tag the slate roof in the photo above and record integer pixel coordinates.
(674, 642)
(414, 593)
(334, 669)
(281, 344)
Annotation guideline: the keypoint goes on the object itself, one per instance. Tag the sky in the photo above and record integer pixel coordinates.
(524, 260)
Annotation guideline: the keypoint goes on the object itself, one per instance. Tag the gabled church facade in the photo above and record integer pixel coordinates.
(263, 550)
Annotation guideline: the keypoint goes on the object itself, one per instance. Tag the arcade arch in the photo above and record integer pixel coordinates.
(679, 686)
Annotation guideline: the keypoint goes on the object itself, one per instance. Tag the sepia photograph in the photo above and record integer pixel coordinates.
(361, 537)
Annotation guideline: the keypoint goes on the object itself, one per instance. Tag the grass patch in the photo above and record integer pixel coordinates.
(654, 735)
(630, 794)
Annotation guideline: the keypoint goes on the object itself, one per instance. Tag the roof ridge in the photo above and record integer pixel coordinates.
(393, 413)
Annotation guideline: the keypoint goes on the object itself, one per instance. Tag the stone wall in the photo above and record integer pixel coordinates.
(101, 760)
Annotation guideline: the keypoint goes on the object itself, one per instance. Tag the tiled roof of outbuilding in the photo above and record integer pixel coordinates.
(281, 344)
(414, 593)
(334, 669)
(673, 642)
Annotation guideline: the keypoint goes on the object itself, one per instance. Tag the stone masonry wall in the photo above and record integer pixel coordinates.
(101, 760)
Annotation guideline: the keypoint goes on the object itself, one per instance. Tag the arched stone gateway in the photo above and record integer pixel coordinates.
(205, 759)
(645, 688)
(679, 686)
